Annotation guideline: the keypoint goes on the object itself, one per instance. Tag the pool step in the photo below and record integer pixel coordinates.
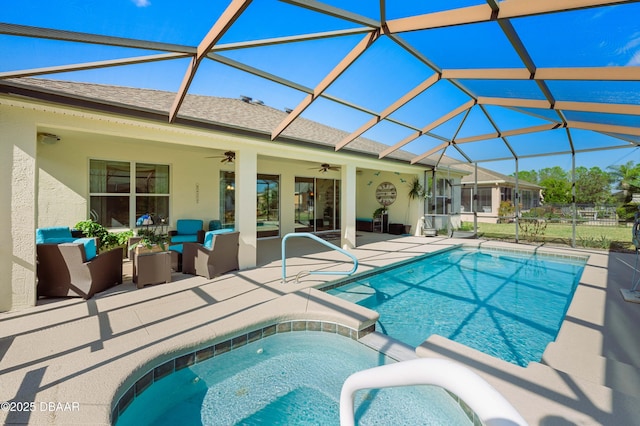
(358, 294)
(597, 369)
(389, 346)
(566, 398)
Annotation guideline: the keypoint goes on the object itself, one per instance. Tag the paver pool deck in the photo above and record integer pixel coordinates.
(73, 358)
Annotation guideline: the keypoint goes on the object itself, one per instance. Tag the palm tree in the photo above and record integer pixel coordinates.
(627, 177)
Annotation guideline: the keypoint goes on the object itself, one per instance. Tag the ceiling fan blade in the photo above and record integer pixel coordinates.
(227, 157)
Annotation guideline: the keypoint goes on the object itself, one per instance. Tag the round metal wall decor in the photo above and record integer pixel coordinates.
(386, 193)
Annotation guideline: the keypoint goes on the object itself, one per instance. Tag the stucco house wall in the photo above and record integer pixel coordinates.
(47, 184)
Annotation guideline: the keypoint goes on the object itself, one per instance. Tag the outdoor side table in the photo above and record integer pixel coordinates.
(151, 268)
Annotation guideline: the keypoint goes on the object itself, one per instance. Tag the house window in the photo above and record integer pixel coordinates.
(484, 200)
(529, 199)
(442, 196)
(116, 203)
(467, 200)
(506, 194)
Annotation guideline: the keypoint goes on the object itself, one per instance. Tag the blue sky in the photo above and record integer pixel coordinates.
(593, 37)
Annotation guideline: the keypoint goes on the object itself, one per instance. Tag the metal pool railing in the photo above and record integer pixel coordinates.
(321, 241)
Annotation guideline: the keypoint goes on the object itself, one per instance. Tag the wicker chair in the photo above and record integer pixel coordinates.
(63, 270)
(218, 254)
(187, 231)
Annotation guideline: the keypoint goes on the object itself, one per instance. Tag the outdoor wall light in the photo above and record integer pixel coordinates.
(48, 138)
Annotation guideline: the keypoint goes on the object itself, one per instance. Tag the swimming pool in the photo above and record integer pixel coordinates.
(508, 304)
(286, 379)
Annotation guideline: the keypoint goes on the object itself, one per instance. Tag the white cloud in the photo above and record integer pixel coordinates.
(635, 60)
(633, 43)
(141, 3)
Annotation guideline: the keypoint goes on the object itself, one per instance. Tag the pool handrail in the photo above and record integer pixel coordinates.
(321, 241)
(487, 403)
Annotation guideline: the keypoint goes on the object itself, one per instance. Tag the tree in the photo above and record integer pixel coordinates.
(627, 178)
(530, 176)
(556, 184)
(555, 172)
(592, 185)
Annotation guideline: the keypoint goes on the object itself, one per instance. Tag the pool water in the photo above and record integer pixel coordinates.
(286, 379)
(507, 304)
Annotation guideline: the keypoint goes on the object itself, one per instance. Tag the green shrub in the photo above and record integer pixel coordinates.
(106, 239)
(466, 226)
(532, 229)
(506, 211)
(626, 212)
(602, 242)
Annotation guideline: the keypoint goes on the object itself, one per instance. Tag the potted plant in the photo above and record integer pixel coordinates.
(107, 240)
(149, 242)
(150, 239)
(379, 212)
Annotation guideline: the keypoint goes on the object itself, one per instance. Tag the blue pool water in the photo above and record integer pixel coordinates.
(286, 379)
(508, 305)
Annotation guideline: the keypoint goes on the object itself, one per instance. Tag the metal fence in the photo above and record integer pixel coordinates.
(585, 214)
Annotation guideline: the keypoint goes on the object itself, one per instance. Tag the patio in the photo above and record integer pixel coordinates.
(82, 353)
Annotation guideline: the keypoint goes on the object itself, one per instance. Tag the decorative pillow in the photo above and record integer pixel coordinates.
(53, 235)
(215, 225)
(90, 249)
(208, 237)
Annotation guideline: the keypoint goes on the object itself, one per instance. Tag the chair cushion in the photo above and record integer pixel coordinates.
(177, 248)
(184, 238)
(188, 226)
(54, 235)
(214, 225)
(364, 219)
(208, 237)
(90, 249)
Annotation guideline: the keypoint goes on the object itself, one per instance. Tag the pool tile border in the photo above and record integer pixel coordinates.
(199, 355)
(202, 354)
(539, 251)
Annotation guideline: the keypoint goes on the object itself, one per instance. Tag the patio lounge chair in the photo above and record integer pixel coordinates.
(218, 254)
(73, 269)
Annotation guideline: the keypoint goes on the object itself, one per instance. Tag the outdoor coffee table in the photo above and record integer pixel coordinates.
(151, 268)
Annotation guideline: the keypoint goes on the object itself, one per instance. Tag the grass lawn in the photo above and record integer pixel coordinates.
(617, 238)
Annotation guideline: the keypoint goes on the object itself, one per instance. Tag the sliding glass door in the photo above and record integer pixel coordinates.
(304, 205)
(317, 204)
(267, 200)
(268, 215)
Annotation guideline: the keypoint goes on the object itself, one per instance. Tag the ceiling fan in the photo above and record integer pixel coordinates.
(227, 157)
(324, 168)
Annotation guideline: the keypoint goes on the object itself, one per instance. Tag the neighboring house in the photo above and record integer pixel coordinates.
(492, 189)
(72, 151)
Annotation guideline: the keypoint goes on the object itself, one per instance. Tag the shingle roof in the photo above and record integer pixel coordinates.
(226, 112)
(490, 176)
